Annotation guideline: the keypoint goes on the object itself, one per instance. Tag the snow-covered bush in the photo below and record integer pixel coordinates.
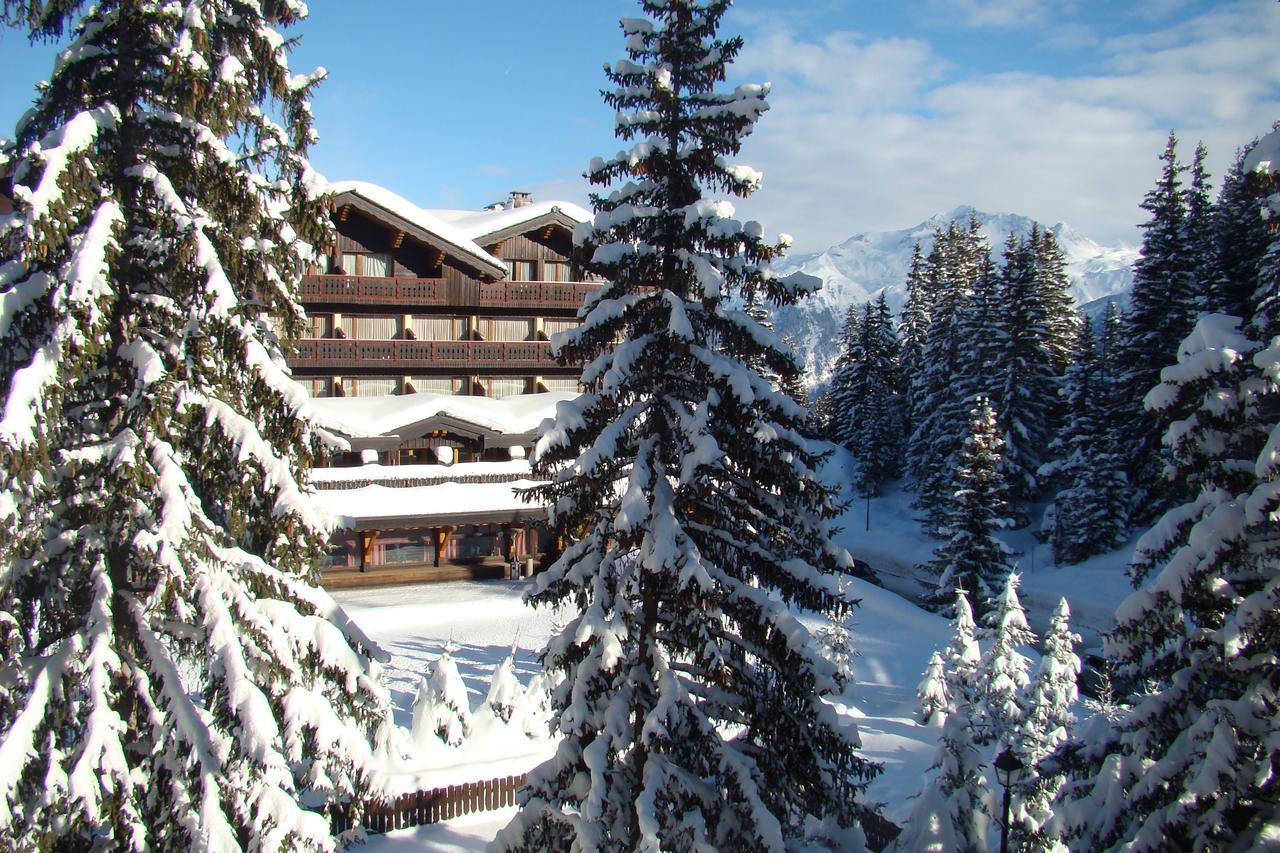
(441, 708)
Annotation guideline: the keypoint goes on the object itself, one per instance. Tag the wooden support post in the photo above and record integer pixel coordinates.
(366, 539)
(507, 532)
(440, 537)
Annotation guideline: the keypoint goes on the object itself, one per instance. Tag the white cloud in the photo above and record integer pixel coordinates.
(871, 134)
(995, 14)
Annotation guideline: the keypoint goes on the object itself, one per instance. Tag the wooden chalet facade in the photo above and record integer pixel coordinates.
(444, 301)
(413, 316)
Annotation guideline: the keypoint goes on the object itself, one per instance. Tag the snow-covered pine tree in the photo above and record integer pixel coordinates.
(1162, 308)
(1054, 287)
(935, 702)
(1201, 255)
(1240, 240)
(835, 640)
(963, 654)
(913, 330)
(505, 695)
(845, 390)
(1005, 672)
(971, 558)
(950, 373)
(175, 677)
(1090, 510)
(1024, 367)
(692, 711)
(953, 809)
(442, 708)
(1047, 724)
(1192, 763)
(873, 400)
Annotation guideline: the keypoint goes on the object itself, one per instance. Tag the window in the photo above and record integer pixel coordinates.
(439, 384)
(336, 556)
(371, 386)
(366, 263)
(407, 552)
(520, 271)
(551, 327)
(555, 271)
(318, 387)
(559, 384)
(504, 329)
(373, 328)
(318, 326)
(502, 386)
(432, 328)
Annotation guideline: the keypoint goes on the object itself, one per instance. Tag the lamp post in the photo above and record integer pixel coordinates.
(1009, 772)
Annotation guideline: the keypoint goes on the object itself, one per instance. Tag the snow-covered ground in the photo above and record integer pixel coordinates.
(893, 636)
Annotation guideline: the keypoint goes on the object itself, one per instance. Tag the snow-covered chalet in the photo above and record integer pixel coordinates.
(427, 350)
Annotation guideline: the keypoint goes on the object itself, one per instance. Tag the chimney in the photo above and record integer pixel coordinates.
(520, 199)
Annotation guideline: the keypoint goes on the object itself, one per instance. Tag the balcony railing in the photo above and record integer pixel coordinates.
(534, 294)
(402, 290)
(406, 355)
(372, 290)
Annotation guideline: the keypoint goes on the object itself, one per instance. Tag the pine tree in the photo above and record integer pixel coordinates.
(1047, 724)
(1162, 307)
(1089, 511)
(1201, 254)
(692, 712)
(1025, 398)
(173, 676)
(951, 373)
(441, 708)
(505, 695)
(845, 391)
(971, 558)
(866, 399)
(1240, 240)
(935, 701)
(1191, 763)
(1053, 286)
(1049, 718)
(963, 654)
(952, 811)
(1004, 671)
(913, 330)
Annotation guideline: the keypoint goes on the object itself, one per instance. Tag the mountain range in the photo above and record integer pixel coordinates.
(862, 266)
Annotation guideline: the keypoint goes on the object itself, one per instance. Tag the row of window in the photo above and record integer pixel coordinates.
(381, 327)
(471, 386)
(379, 264)
(469, 541)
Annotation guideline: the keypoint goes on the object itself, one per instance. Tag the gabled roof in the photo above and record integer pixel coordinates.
(492, 226)
(515, 418)
(421, 224)
(459, 232)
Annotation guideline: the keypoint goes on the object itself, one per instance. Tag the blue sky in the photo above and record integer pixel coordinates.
(884, 113)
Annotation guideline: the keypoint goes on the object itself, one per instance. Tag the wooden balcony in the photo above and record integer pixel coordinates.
(415, 292)
(534, 294)
(400, 356)
(371, 290)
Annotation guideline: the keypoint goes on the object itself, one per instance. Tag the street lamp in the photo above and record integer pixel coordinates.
(1009, 769)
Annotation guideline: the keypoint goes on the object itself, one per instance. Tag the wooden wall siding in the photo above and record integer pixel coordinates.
(361, 234)
(533, 246)
(460, 287)
(432, 806)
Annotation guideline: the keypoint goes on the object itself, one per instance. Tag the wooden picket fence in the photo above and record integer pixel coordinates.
(431, 806)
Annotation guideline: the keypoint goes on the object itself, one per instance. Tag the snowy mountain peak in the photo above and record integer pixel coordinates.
(862, 266)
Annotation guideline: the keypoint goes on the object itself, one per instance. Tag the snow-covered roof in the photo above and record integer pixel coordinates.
(362, 417)
(381, 508)
(406, 210)
(462, 229)
(478, 224)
